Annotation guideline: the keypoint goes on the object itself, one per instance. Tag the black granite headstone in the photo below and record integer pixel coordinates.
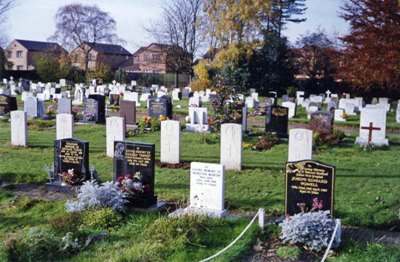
(127, 109)
(160, 107)
(101, 107)
(309, 187)
(69, 154)
(135, 161)
(276, 120)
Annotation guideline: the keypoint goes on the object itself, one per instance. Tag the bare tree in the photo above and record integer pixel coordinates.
(5, 6)
(180, 30)
(83, 26)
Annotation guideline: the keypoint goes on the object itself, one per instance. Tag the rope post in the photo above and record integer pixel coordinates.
(261, 214)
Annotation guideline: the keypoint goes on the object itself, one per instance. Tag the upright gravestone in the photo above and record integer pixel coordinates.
(101, 100)
(300, 144)
(115, 131)
(64, 106)
(160, 107)
(309, 187)
(65, 126)
(321, 121)
(71, 164)
(198, 120)
(127, 109)
(90, 111)
(206, 191)
(339, 115)
(292, 108)
(19, 128)
(31, 106)
(7, 104)
(276, 120)
(170, 142)
(134, 170)
(231, 146)
(398, 113)
(373, 127)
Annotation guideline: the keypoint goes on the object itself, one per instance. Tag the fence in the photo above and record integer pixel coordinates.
(167, 79)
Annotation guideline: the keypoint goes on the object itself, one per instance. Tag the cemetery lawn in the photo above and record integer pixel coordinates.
(367, 194)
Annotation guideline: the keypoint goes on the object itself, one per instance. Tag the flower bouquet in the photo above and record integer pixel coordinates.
(132, 186)
(71, 177)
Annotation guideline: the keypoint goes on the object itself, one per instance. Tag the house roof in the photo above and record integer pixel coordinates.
(160, 46)
(109, 49)
(40, 46)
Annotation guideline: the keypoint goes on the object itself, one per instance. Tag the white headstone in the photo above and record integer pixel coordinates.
(299, 97)
(300, 144)
(198, 120)
(249, 102)
(206, 191)
(231, 146)
(339, 115)
(31, 106)
(292, 108)
(170, 142)
(372, 127)
(349, 109)
(19, 128)
(255, 96)
(144, 97)
(398, 113)
(65, 126)
(115, 131)
(78, 95)
(194, 101)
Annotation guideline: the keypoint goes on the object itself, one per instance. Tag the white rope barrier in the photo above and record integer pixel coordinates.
(234, 241)
(330, 242)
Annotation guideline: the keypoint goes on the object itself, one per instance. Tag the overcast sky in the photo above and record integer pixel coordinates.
(34, 19)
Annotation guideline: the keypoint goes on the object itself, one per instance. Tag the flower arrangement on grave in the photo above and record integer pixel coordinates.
(248, 146)
(315, 206)
(132, 186)
(90, 116)
(150, 124)
(266, 142)
(71, 177)
(55, 100)
(51, 110)
(344, 116)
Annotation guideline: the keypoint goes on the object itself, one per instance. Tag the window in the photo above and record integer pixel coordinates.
(147, 57)
(9, 54)
(19, 54)
(90, 57)
(157, 58)
(20, 67)
(127, 57)
(157, 71)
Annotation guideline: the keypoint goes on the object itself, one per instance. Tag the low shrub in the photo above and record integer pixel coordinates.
(289, 252)
(66, 223)
(38, 245)
(104, 218)
(266, 142)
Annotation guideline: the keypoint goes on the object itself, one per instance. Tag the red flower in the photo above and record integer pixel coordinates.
(119, 180)
(128, 176)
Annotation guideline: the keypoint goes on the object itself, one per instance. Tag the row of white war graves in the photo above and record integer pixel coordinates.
(134, 164)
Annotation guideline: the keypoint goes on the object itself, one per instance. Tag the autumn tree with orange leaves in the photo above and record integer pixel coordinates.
(371, 59)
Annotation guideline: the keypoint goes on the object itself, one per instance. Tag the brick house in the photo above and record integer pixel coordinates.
(112, 55)
(22, 53)
(156, 58)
